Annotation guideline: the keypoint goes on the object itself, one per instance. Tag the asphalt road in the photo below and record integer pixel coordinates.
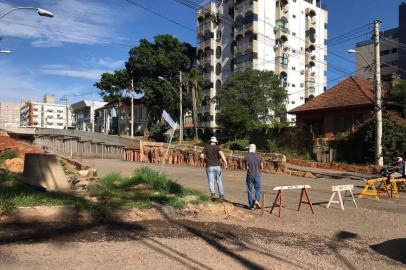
(235, 189)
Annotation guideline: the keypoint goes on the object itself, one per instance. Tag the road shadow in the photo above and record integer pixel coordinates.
(394, 249)
(338, 240)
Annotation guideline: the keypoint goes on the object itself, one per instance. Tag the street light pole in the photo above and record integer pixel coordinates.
(378, 97)
(40, 11)
(180, 109)
(378, 93)
(180, 103)
(132, 108)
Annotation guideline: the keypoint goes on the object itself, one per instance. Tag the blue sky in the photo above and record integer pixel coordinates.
(66, 54)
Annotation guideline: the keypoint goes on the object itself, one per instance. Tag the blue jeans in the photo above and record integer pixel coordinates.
(256, 182)
(214, 172)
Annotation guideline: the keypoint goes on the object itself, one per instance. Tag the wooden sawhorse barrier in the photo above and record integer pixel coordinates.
(337, 190)
(279, 196)
(372, 190)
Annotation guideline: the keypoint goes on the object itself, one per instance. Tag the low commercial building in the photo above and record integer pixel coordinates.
(84, 114)
(45, 115)
(10, 115)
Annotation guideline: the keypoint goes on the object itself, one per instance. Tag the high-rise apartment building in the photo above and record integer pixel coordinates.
(286, 36)
(9, 115)
(45, 115)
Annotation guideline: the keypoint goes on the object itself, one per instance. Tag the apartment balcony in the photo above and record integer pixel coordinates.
(204, 43)
(242, 8)
(203, 27)
(311, 35)
(283, 9)
(310, 57)
(311, 18)
(282, 62)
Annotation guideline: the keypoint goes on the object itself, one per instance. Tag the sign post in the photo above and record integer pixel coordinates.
(173, 126)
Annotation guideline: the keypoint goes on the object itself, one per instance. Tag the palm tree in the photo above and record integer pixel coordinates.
(195, 81)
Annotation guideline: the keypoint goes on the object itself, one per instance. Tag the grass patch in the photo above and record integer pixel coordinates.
(15, 193)
(8, 154)
(141, 190)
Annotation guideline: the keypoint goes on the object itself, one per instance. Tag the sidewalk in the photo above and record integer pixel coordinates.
(330, 173)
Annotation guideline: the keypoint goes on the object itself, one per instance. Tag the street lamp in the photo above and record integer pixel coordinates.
(180, 104)
(378, 98)
(363, 57)
(40, 11)
(5, 51)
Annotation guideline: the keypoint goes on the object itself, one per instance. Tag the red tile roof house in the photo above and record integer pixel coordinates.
(347, 105)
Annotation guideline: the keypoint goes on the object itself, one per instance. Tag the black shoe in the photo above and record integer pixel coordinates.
(213, 197)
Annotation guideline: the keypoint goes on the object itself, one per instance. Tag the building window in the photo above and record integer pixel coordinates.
(293, 16)
(218, 52)
(218, 69)
(293, 85)
(293, 68)
(293, 34)
(293, 102)
(277, 3)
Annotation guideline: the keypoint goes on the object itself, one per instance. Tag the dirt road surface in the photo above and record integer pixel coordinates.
(222, 236)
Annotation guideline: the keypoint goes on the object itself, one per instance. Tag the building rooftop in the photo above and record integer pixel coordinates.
(353, 91)
(87, 103)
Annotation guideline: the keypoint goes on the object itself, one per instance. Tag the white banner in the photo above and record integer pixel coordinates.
(169, 120)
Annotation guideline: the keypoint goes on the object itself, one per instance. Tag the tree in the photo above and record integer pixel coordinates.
(164, 57)
(396, 98)
(113, 86)
(195, 81)
(250, 98)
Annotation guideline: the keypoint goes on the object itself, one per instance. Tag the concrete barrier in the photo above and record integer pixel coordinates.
(45, 171)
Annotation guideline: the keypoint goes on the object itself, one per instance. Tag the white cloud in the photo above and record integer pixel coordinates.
(19, 83)
(110, 63)
(80, 22)
(93, 74)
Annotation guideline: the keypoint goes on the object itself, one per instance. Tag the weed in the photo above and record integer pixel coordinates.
(8, 154)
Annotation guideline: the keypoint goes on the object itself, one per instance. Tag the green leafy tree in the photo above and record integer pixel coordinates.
(164, 57)
(396, 98)
(250, 98)
(113, 86)
(195, 81)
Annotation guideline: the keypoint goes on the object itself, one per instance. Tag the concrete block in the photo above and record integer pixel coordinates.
(44, 170)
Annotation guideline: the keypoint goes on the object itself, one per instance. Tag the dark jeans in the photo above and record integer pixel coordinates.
(253, 181)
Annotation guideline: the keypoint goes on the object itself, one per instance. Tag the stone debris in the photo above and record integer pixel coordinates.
(14, 165)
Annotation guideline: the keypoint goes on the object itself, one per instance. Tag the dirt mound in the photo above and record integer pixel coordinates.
(15, 165)
(7, 143)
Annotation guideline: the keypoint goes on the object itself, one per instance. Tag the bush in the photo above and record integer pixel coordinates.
(239, 145)
(359, 147)
(8, 154)
(158, 132)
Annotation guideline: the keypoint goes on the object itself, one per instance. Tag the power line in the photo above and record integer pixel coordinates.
(160, 15)
(194, 5)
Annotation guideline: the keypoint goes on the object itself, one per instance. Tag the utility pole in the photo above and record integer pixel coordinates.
(180, 109)
(132, 108)
(378, 97)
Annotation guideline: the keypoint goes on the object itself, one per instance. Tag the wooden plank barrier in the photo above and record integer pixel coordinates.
(393, 186)
(279, 196)
(372, 190)
(337, 191)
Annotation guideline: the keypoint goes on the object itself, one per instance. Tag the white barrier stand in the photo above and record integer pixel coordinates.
(337, 190)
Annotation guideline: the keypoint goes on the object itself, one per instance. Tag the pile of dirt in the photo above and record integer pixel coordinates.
(369, 169)
(21, 148)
